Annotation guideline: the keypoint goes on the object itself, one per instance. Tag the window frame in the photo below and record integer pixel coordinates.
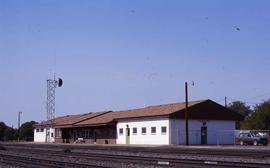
(133, 132)
(121, 131)
(163, 133)
(153, 130)
(144, 133)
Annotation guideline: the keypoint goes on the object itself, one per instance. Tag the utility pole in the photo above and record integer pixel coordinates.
(19, 124)
(186, 111)
(225, 101)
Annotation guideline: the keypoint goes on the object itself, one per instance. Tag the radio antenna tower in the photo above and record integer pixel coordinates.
(51, 85)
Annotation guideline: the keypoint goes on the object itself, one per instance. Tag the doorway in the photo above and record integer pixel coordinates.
(127, 135)
(95, 136)
(203, 135)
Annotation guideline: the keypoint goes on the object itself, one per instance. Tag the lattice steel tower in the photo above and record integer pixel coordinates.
(51, 85)
(50, 106)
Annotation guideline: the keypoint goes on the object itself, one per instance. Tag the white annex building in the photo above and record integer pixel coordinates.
(44, 134)
(209, 123)
(162, 131)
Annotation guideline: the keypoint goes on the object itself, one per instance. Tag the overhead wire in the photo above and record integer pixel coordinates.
(262, 95)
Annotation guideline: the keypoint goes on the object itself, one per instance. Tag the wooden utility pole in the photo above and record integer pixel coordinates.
(186, 111)
(19, 124)
(225, 101)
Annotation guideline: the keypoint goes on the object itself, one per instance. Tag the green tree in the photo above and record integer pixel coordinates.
(27, 131)
(3, 126)
(6, 133)
(9, 134)
(260, 119)
(241, 108)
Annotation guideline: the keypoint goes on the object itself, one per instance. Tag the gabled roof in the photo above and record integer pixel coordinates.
(202, 109)
(58, 120)
(150, 111)
(158, 110)
(208, 110)
(80, 118)
(69, 120)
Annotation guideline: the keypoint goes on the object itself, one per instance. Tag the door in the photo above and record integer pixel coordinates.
(249, 139)
(74, 135)
(65, 135)
(203, 135)
(127, 135)
(95, 136)
(48, 135)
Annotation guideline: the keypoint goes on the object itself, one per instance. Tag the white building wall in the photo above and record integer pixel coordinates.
(40, 136)
(218, 132)
(221, 132)
(148, 138)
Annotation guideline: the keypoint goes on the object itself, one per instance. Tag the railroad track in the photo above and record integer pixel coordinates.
(258, 153)
(98, 160)
(34, 162)
(39, 160)
(39, 157)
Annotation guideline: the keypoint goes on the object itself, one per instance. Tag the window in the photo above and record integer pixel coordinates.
(87, 133)
(37, 130)
(83, 133)
(41, 130)
(163, 130)
(121, 131)
(90, 133)
(51, 134)
(111, 132)
(143, 130)
(134, 131)
(78, 134)
(153, 130)
(58, 133)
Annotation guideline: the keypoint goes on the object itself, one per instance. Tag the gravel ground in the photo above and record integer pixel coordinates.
(168, 152)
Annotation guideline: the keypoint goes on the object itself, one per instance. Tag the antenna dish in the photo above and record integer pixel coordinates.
(60, 82)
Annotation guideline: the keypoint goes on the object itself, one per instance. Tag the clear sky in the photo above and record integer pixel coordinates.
(115, 55)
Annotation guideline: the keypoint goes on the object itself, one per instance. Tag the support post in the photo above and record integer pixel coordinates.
(19, 124)
(186, 112)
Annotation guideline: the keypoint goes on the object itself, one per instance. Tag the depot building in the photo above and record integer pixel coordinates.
(209, 123)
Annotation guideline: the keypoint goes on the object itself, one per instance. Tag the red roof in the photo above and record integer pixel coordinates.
(151, 111)
(69, 120)
(202, 109)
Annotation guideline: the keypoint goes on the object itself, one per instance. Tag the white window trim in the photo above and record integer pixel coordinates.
(120, 131)
(163, 133)
(153, 133)
(136, 130)
(145, 131)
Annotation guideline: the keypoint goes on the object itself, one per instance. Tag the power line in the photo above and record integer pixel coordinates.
(262, 95)
(220, 100)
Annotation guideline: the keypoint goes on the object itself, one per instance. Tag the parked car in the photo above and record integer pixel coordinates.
(252, 139)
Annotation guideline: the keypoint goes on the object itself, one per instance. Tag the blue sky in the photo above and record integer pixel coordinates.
(116, 55)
